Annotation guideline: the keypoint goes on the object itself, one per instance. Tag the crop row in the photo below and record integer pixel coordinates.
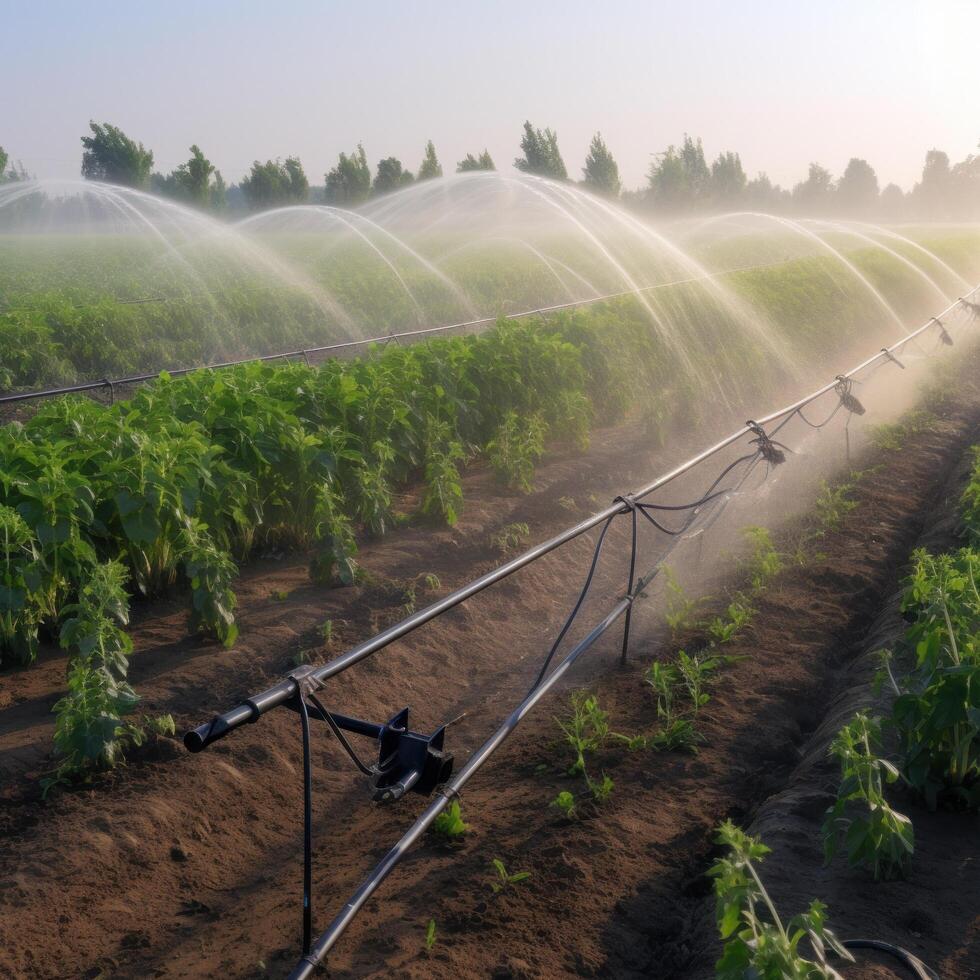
(175, 486)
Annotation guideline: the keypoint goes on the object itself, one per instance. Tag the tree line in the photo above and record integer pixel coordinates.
(680, 179)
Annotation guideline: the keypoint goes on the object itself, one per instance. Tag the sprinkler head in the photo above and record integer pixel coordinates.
(843, 389)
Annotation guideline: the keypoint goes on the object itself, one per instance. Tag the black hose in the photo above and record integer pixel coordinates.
(909, 960)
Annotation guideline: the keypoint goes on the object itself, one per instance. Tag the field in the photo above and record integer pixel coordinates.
(167, 555)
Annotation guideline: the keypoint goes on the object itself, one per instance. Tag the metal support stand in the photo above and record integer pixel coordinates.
(624, 656)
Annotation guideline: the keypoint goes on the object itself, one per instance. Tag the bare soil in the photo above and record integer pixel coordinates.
(190, 866)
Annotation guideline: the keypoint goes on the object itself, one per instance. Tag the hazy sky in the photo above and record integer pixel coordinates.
(782, 82)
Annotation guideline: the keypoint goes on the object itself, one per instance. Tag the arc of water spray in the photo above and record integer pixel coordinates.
(697, 272)
(337, 214)
(890, 233)
(548, 261)
(826, 246)
(844, 230)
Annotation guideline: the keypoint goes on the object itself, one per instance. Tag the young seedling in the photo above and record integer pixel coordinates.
(565, 803)
(430, 935)
(737, 616)
(676, 731)
(586, 730)
(833, 504)
(875, 835)
(510, 537)
(326, 632)
(449, 824)
(601, 791)
(681, 613)
(764, 562)
(757, 944)
(504, 879)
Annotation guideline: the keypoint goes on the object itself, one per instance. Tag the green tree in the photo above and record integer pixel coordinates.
(190, 182)
(728, 180)
(601, 172)
(541, 154)
(16, 171)
(391, 175)
(431, 167)
(110, 155)
(482, 162)
(349, 183)
(857, 190)
(761, 194)
(815, 194)
(218, 193)
(933, 195)
(274, 184)
(679, 178)
(892, 203)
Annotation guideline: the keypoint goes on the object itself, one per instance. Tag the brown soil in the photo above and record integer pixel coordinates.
(182, 866)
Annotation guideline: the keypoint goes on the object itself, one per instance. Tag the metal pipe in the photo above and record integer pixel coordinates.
(250, 711)
(322, 946)
(345, 345)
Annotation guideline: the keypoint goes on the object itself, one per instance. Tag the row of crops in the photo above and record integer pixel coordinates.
(928, 742)
(78, 308)
(176, 486)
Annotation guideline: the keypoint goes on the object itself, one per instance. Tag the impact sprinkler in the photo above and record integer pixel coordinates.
(943, 333)
(843, 389)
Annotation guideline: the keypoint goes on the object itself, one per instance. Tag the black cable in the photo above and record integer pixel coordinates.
(575, 609)
(909, 960)
(817, 425)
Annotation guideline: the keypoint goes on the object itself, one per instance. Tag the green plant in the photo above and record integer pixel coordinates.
(600, 790)
(764, 562)
(509, 537)
(695, 672)
(449, 823)
(585, 730)
(681, 613)
(504, 879)
(738, 614)
(757, 944)
(565, 802)
(677, 730)
(833, 504)
(515, 449)
(430, 935)
(20, 614)
(326, 632)
(875, 835)
(937, 711)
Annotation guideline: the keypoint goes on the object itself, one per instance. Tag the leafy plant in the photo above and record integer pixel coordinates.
(430, 935)
(937, 712)
(738, 614)
(515, 449)
(757, 944)
(833, 504)
(510, 537)
(504, 879)
(449, 823)
(677, 730)
(565, 803)
(764, 562)
(681, 614)
(586, 730)
(875, 835)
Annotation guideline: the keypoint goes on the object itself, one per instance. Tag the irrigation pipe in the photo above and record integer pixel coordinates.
(253, 708)
(135, 379)
(295, 689)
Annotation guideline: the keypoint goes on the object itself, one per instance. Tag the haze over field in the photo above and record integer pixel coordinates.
(784, 84)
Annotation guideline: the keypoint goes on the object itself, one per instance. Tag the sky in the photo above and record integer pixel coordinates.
(783, 83)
